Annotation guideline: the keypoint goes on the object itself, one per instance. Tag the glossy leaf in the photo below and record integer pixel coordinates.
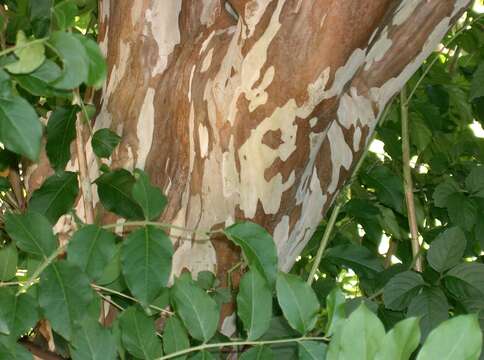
(447, 249)
(401, 288)
(457, 338)
(30, 56)
(197, 310)
(149, 197)
(61, 131)
(312, 350)
(92, 341)
(146, 262)
(175, 337)
(91, 248)
(298, 302)
(64, 296)
(32, 233)
(401, 341)
(104, 141)
(258, 353)
(258, 247)
(138, 334)
(254, 304)
(8, 261)
(56, 196)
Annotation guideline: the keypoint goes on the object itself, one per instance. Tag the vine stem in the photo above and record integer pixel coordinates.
(407, 181)
(239, 343)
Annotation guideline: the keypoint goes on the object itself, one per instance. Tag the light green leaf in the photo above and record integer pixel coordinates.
(115, 192)
(431, 307)
(401, 341)
(401, 288)
(457, 338)
(258, 247)
(254, 304)
(146, 262)
(447, 249)
(92, 341)
(258, 353)
(32, 233)
(175, 337)
(312, 350)
(139, 335)
(64, 14)
(61, 131)
(74, 58)
(149, 197)
(298, 302)
(20, 129)
(8, 262)
(56, 196)
(91, 248)
(104, 141)
(335, 302)
(30, 57)
(97, 65)
(466, 280)
(37, 82)
(64, 297)
(17, 313)
(197, 310)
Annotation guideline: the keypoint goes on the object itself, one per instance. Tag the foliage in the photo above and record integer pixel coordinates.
(364, 303)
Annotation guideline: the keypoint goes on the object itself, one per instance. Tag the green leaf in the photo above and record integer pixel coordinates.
(442, 192)
(361, 335)
(388, 187)
(311, 350)
(447, 249)
(206, 280)
(431, 307)
(457, 338)
(401, 341)
(254, 304)
(462, 211)
(149, 197)
(475, 181)
(61, 131)
(466, 280)
(64, 296)
(74, 58)
(56, 196)
(8, 262)
(92, 341)
(18, 314)
(258, 353)
(37, 82)
(91, 248)
(97, 66)
(32, 233)
(175, 337)
(356, 257)
(202, 355)
(477, 87)
(115, 192)
(103, 142)
(20, 129)
(400, 290)
(30, 57)
(11, 350)
(258, 247)
(112, 271)
(197, 310)
(139, 335)
(298, 302)
(64, 14)
(335, 302)
(146, 262)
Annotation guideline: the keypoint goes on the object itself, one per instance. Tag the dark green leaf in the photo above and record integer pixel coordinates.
(477, 86)
(401, 341)
(146, 262)
(254, 304)
(113, 268)
(91, 248)
(457, 338)
(97, 66)
(104, 141)
(56, 196)
(462, 211)
(298, 302)
(195, 307)
(443, 191)
(400, 290)
(138, 334)
(447, 249)
(8, 262)
(311, 350)
(115, 192)
(388, 187)
(258, 247)
(175, 337)
(32, 233)
(64, 296)
(475, 181)
(206, 280)
(64, 14)
(20, 129)
(258, 353)
(18, 314)
(11, 350)
(202, 355)
(149, 197)
(92, 341)
(61, 131)
(466, 280)
(356, 257)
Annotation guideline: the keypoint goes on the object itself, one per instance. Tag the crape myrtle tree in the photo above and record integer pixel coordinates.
(157, 188)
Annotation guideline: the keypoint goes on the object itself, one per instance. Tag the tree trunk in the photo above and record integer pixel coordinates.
(255, 109)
